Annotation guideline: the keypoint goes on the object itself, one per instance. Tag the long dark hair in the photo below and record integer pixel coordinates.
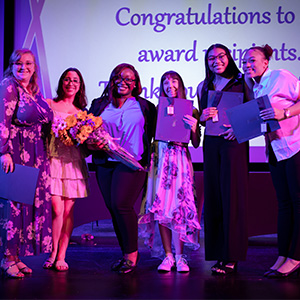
(80, 100)
(15, 56)
(111, 89)
(231, 70)
(172, 74)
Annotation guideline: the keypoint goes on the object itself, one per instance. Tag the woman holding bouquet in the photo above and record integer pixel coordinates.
(131, 120)
(171, 197)
(24, 124)
(68, 169)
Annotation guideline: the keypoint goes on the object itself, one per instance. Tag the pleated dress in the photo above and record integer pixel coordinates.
(68, 168)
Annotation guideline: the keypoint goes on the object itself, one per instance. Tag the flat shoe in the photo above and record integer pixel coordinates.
(216, 266)
(61, 266)
(23, 268)
(128, 266)
(225, 270)
(266, 274)
(49, 262)
(117, 265)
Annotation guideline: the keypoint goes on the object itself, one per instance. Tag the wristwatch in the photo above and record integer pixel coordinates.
(287, 113)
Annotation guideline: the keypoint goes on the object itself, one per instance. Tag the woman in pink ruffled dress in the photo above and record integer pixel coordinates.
(68, 169)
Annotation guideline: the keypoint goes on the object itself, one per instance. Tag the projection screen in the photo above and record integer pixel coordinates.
(154, 36)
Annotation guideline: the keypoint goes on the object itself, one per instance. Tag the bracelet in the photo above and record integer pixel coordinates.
(286, 113)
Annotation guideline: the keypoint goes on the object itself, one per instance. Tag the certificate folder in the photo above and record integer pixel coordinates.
(222, 101)
(170, 126)
(19, 185)
(246, 122)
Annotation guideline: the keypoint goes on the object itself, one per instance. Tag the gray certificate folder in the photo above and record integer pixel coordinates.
(246, 122)
(223, 101)
(19, 185)
(170, 126)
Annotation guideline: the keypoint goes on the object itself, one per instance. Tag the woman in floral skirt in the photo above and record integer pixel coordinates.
(170, 200)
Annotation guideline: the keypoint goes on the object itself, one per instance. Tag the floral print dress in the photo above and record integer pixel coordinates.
(24, 124)
(170, 199)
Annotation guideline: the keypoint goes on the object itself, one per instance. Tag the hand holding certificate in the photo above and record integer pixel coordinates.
(170, 124)
(19, 185)
(246, 122)
(222, 101)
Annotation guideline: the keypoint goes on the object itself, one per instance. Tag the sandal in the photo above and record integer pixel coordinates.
(216, 266)
(10, 269)
(49, 262)
(23, 268)
(61, 266)
(226, 269)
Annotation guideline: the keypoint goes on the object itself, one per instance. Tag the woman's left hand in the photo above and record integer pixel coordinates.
(7, 163)
(191, 121)
(228, 134)
(272, 113)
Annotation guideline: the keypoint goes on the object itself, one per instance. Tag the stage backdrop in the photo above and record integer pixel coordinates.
(154, 36)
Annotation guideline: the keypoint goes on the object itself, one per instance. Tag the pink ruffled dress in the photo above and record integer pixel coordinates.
(68, 168)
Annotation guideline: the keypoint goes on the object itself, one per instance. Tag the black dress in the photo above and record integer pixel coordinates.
(225, 191)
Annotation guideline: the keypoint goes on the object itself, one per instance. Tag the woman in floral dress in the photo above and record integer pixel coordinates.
(24, 123)
(171, 199)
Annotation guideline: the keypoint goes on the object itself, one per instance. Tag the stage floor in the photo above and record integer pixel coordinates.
(89, 276)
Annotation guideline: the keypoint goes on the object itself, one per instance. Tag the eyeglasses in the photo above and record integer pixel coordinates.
(126, 80)
(68, 80)
(221, 57)
(20, 64)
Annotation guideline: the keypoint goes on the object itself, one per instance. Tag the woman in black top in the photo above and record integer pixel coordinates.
(131, 120)
(225, 169)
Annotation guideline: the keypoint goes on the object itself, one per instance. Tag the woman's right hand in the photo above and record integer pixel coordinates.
(7, 163)
(99, 145)
(208, 113)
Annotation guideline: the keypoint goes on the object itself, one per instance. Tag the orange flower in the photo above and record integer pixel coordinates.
(98, 121)
(81, 115)
(71, 121)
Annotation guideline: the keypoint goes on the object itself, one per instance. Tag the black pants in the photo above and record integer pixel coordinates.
(120, 187)
(286, 179)
(225, 199)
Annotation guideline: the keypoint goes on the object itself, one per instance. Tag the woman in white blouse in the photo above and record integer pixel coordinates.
(283, 148)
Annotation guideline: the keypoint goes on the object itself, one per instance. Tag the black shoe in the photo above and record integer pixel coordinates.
(128, 266)
(117, 265)
(268, 272)
(226, 270)
(276, 274)
(216, 266)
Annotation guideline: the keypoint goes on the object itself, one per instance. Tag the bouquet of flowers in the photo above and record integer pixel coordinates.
(114, 149)
(75, 129)
(83, 127)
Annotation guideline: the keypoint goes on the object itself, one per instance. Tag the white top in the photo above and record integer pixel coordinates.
(126, 124)
(282, 88)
